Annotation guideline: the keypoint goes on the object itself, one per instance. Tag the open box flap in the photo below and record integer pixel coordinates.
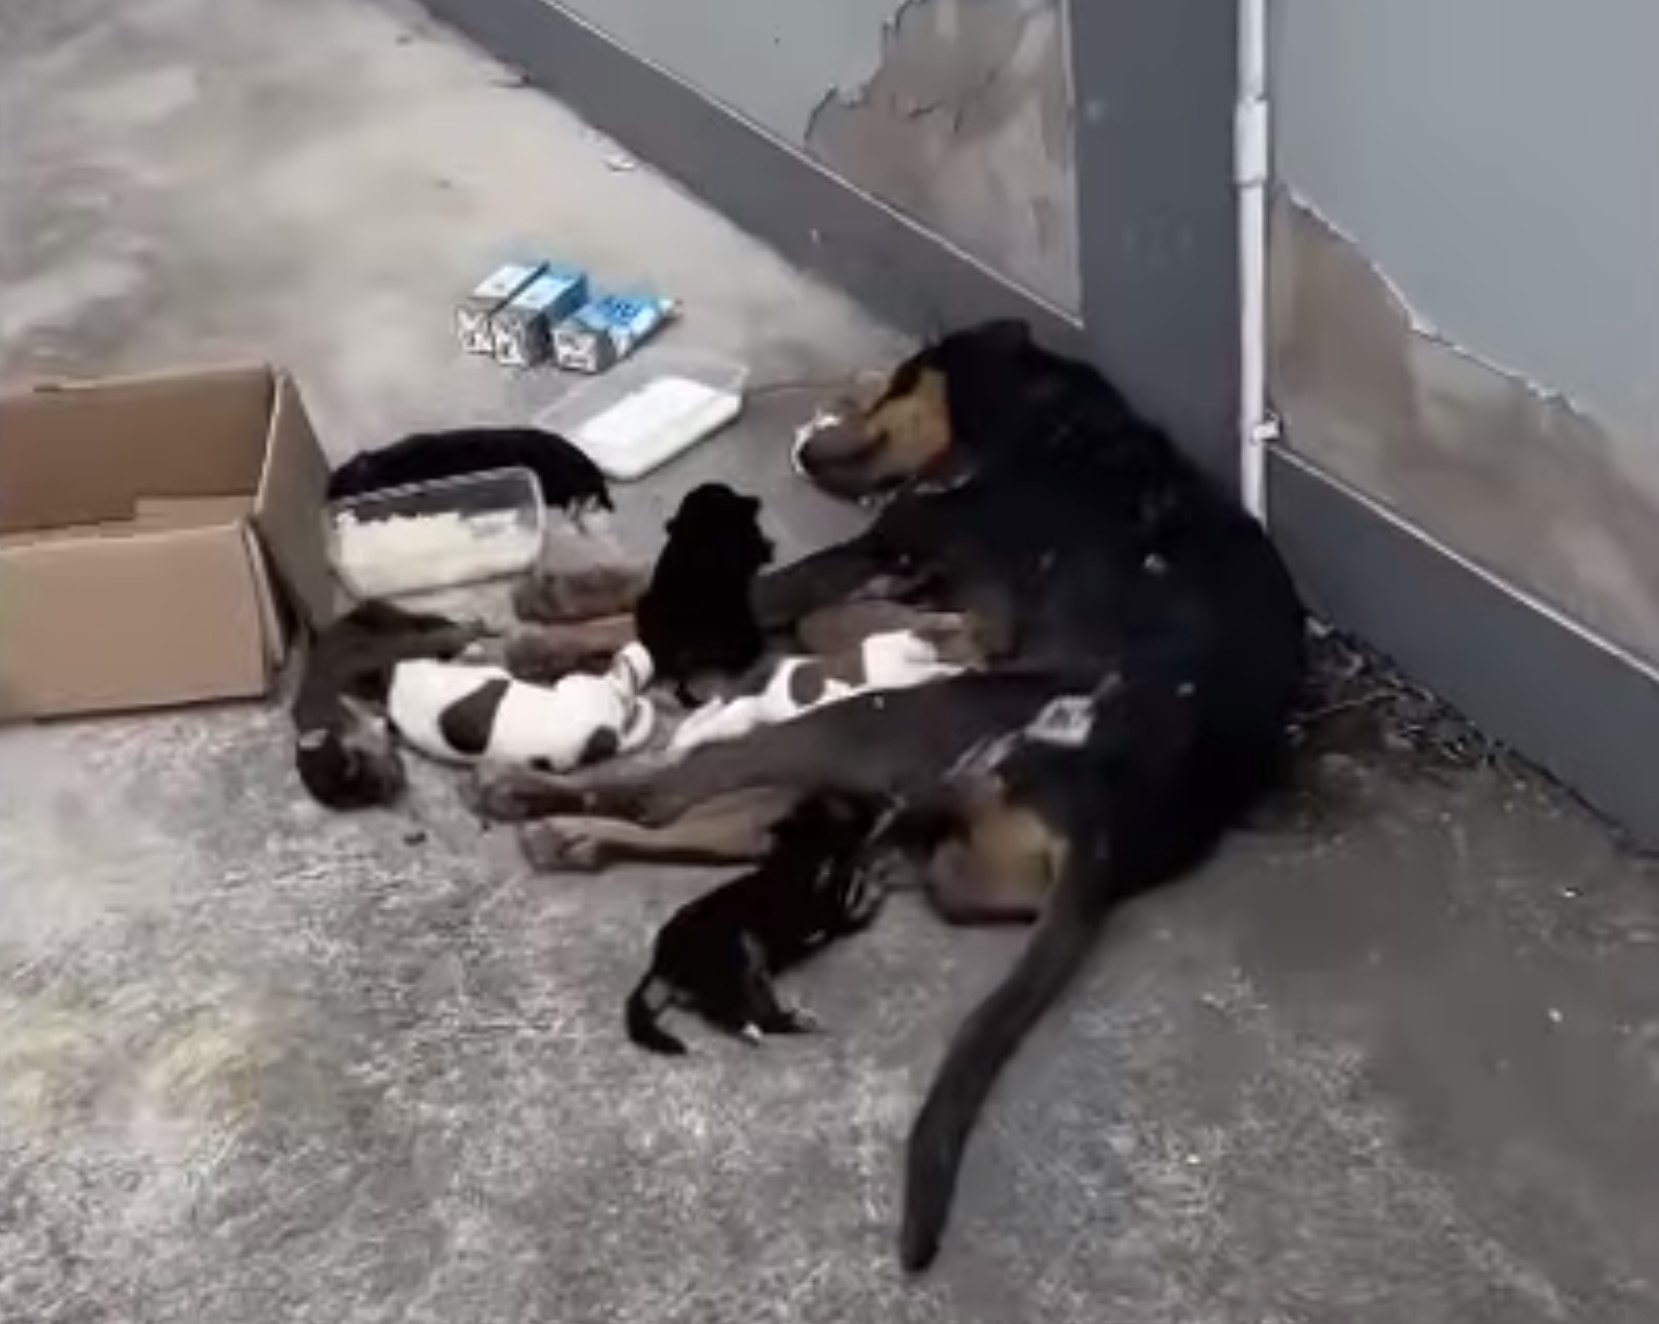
(82, 453)
(272, 619)
(293, 494)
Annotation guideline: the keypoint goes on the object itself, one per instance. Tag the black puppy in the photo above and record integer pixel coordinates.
(570, 481)
(719, 954)
(696, 618)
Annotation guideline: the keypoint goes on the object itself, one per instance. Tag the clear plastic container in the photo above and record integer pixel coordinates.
(649, 409)
(437, 535)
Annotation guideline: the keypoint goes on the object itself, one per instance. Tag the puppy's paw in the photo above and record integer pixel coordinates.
(552, 846)
(796, 1020)
(751, 1035)
(518, 795)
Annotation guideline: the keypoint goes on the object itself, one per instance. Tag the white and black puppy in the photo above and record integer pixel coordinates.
(889, 660)
(458, 712)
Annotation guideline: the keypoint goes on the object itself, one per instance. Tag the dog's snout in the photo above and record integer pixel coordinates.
(831, 440)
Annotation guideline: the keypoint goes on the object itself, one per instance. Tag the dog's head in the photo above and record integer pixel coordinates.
(941, 410)
(725, 523)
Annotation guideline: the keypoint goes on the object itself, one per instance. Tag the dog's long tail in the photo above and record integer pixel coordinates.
(1071, 922)
(645, 1004)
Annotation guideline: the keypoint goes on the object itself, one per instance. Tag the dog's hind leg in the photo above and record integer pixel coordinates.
(722, 993)
(893, 743)
(733, 830)
(999, 865)
(766, 1011)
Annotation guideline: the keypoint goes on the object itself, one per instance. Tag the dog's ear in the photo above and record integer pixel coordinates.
(1005, 334)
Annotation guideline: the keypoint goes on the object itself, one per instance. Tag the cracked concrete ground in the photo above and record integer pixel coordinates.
(1393, 1057)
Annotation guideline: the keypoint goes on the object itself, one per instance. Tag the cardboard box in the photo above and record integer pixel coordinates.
(523, 329)
(158, 538)
(473, 313)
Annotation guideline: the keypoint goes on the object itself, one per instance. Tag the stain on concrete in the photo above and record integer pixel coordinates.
(967, 127)
(167, 197)
(1519, 480)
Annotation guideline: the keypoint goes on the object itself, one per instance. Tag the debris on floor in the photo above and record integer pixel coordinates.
(1358, 700)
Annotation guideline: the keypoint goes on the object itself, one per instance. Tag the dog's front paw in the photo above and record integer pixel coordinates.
(553, 846)
(518, 795)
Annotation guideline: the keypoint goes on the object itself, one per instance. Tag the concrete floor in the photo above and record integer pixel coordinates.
(1393, 1057)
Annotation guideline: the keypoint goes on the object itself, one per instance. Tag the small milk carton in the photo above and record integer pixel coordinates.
(608, 330)
(523, 328)
(473, 313)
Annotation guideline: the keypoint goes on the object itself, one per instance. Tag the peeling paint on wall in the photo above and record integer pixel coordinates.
(967, 127)
(1500, 160)
(1540, 492)
(769, 60)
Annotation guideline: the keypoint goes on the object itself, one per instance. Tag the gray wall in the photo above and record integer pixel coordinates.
(1466, 280)
(956, 112)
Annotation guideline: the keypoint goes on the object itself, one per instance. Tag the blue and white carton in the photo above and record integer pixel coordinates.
(522, 330)
(474, 311)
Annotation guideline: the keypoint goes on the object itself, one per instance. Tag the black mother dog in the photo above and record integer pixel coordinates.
(1154, 652)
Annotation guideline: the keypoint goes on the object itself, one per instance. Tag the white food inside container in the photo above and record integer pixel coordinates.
(651, 425)
(378, 558)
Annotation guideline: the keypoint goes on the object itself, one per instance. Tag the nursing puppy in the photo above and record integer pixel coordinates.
(889, 660)
(463, 713)
(695, 618)
(719, 954)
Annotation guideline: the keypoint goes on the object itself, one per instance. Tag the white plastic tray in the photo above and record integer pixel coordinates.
(649, 409)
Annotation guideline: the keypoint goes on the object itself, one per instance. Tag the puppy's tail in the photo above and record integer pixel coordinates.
(645, 1004)
(1064, 936)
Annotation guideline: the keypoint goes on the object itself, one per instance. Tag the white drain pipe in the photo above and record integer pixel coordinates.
(1252, 160)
